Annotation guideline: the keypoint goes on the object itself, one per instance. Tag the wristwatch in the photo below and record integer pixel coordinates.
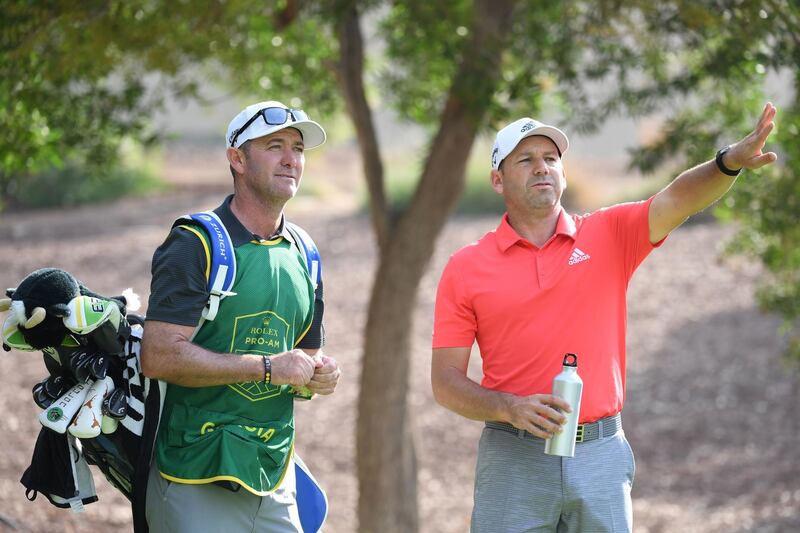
(721, 166)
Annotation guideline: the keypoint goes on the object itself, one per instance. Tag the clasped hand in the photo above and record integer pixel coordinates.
(319, 372)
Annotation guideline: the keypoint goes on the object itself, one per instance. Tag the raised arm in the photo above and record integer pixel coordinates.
(697, 188)
(455, 391)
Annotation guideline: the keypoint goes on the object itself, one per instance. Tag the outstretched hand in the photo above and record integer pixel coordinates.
(748, 153)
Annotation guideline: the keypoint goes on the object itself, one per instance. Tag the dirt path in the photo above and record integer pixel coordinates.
(711, 413)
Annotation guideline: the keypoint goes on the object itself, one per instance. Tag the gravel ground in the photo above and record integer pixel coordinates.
(711, 410)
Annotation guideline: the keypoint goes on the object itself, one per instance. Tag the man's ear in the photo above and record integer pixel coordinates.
(496, 179)
(236, 158)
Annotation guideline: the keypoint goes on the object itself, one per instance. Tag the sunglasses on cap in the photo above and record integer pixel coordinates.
(273, 116)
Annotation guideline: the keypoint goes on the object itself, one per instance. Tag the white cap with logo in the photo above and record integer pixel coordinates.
(509, 137)
(244, 126)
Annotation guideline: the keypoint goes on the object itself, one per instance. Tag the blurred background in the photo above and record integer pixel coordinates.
(113, 123)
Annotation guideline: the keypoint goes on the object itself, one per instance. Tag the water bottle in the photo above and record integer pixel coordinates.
(568, 386)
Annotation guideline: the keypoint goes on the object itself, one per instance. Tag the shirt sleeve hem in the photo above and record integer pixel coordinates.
(452, 343)
(659, 243)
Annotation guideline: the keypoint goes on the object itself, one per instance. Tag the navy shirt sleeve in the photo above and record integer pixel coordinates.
(178, 288)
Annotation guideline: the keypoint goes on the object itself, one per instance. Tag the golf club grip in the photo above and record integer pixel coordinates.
(61, 411)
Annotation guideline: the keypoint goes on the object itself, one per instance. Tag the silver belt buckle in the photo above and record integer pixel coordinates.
(579, 434)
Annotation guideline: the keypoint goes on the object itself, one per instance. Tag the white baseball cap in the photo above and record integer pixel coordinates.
(263, 118)
(509, 137)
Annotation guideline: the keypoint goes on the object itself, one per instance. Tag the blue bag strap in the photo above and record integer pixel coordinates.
(309, 250)
(222, 271)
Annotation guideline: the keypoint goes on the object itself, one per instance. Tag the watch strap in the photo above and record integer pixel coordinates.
(721, 166)
(267, 369)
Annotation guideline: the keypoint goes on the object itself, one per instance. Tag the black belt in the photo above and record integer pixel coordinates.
(605, 427)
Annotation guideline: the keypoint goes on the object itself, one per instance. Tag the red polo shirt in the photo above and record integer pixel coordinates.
(528, 306)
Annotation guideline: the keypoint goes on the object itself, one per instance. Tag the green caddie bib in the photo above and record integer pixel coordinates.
(243, 432)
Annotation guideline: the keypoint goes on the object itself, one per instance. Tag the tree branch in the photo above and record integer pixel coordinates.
(350, 78)
(286, 16)
(471, 92)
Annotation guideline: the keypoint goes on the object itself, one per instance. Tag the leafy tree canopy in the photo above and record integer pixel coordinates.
(72, 74)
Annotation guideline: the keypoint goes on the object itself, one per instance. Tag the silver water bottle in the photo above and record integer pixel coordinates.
(568, 386)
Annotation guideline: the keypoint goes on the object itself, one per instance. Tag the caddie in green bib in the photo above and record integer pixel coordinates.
(241, 432)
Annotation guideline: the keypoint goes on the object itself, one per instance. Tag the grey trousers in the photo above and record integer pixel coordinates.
(182, 508)
(520, 489)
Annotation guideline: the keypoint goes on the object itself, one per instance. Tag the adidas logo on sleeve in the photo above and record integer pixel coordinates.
(577, 256)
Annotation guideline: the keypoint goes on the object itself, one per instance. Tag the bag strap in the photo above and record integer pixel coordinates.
(309, 251)
(222, 270)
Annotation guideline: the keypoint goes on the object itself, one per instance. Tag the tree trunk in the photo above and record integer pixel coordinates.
(385, 445)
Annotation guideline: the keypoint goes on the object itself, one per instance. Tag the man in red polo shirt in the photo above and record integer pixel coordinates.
(542, 284)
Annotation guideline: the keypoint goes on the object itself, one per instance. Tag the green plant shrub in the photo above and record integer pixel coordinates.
(74, 184)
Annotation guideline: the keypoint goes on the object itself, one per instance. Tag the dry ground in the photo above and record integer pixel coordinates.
(711, 411)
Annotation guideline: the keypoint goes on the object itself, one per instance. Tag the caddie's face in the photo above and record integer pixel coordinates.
(273, 165)
(531, 178)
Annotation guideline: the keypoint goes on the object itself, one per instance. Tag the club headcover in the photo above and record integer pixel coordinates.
(115, 405)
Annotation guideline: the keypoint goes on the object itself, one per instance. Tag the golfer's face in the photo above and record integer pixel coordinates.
(532, 175)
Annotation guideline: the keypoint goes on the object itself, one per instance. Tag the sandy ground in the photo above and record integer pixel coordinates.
(711, 410)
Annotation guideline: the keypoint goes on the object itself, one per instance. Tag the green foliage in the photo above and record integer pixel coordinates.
(417, 88)
(767, 205)
(72, 74)
(711, 65)
(279, 53)
(73, 183)
(423, 45)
